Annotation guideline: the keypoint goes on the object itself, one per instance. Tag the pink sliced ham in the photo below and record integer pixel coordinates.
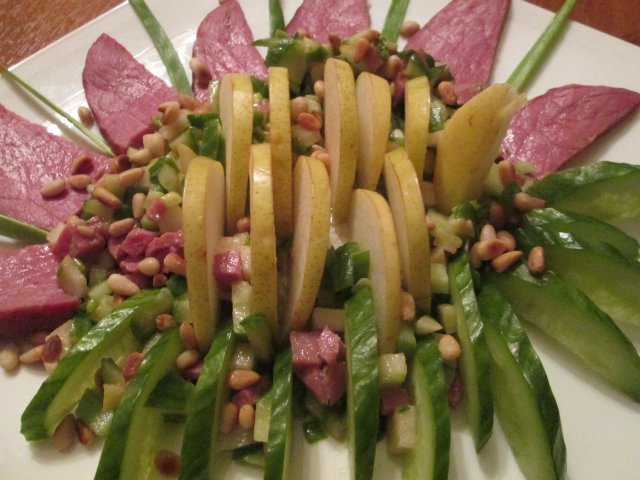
(32, 299)
(464, 35)
(224, 44)
(122, 94)
(327, 383)
(319, 18)
(555, 126)
(30, 158)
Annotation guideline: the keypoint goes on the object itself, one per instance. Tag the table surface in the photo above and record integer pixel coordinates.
(26, 26)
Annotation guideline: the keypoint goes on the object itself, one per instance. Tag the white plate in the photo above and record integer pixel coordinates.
(601, 427)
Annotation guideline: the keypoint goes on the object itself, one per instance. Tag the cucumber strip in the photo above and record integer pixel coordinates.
(276, 18)
(129, 447)
(584, 227)
(535, 57)
(430, 457)
(568, 316)
(164, 47)
(200, 460)
(22, 231)
(610, 280)
(474, 361)
(363, 390)
(524, 402)
(172, 394)
(393, 20)
(278, 448)
(603, 190)
(112, 337)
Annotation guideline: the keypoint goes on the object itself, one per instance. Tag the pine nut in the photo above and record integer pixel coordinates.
(246, 416)
(474, 256)
(186, 359)
(53, 188)
(141, 158)
(228, 417)
(9, 356)
(107, 198)
(33, 355)
(408, 307)
(298, 105)
(121, 285)
(137, 204)
(241, 378)
(131, 365)
(447, 91)
(52, 349)
(80, 181)
(84, 433)
(149, 266)
(85, 115)
(170, 111)
(174, 263)
(164, 322)
(361, 49)
(310, 121)
(81, 164)
(525, 202)
(121, 227)
(508, 239)
(188, 336)
(449, 348)
(488, 232)
(130, 177)
(86, 231)
(409, 28)
(243, 225)
(65, 434)
(167, 463)
(502, 262)
(506, 171)
(536, 261)
(119, 164)
(371, 35)
(393, 66)
(489, 249)
(318, 88)
(497, 215)
(154, 143)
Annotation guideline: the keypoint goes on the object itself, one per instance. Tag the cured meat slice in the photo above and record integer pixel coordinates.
(224, 43)
(122, 94)
(555, 126)
(32, 299)
(321, 17)
(464, 35)
(32, 157)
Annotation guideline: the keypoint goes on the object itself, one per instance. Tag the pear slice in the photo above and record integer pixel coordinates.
(280, 138)
(374, 112)
(470, 143)
(236, 116)
(405, 200)
(341, 133)
(203, 216)
(372, 227)
(417, 115)
(264, 281)
(312, 212)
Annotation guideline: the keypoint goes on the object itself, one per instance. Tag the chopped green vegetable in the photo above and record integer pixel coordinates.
(393, 20)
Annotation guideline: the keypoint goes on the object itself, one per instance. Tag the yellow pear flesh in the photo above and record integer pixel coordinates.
(417, 108)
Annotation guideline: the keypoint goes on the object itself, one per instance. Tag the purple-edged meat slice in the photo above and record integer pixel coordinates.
(31, 298)
(122, 94)
(30, 158)
(319, 18)
(464, 35)
(224, 44)
(555, 126)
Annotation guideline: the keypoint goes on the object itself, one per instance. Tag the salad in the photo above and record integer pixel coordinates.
(376, 11)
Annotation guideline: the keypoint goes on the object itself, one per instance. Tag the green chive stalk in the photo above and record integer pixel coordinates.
(24, 232)
(393, 20)
(276, 17)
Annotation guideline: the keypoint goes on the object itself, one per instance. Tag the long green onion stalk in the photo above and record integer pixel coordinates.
(276, 18)
(393, 20)
(24, 232)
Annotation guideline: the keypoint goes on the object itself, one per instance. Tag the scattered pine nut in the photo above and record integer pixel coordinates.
(488, 232)
(297, 106)
(170, 112)
(506, 171)
(119, 164)
(186, 359)
(241, 378)
(174, 263)
(80, 181)
(130, 177)
(228, 417)
(85, 115)
(447, 91)
(33, 355)
(243, 225)
(164, 322)
(525, 202)
(9, 356)
(502, 262)
(497, 215)
(53, 188)
(131, 364)
(141, 158)
(536, 260)
(246, 416)
(408, 307)
(121, 227)
(489, 249)
(159, 280)
(84, 433)
(409, 28)
(335, 41)
(188, 336)
(81, 164)
(154, 143)
(318, 88)
(167, 463)
(107, 198)
(149, 266)
(450, 349)
(65, 434)
(51, 349)
(137, 204)
(361, 49)
(121, 285)
(508, 239)
(309, 121)
(393, 66)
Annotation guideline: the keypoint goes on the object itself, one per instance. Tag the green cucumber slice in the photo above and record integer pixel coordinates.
(430, 457)
(604, 190)
(609, 279)
(363, 390)
(200, 460)
(129, 447)
(112, 337)
(278, 448)
(474, 360)
(524, 402)
(568, 316)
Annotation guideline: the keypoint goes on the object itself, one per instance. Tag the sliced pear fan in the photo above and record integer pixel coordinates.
(372, 227)
(341, 133)
(417, 108)
(280, 138)
(236, 116)
(405, 200)
(312, 211)
(264, 281)
(203, 211)
(374, 112)
(470, 143)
